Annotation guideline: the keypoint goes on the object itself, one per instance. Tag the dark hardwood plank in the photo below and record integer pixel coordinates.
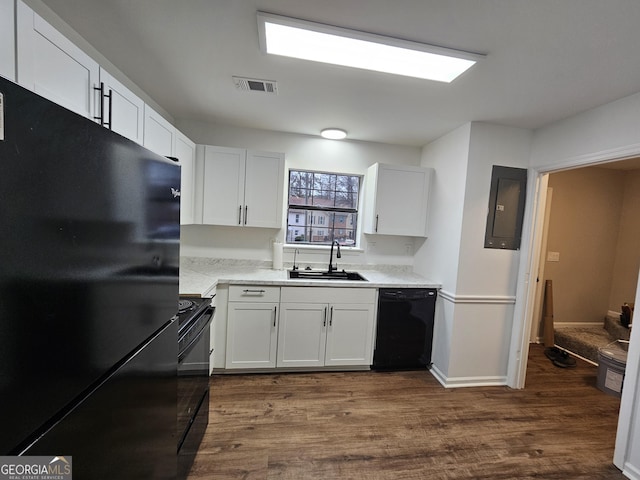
(405, 425)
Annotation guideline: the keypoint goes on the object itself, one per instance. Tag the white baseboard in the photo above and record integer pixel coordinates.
(458, 382)
(630, 471)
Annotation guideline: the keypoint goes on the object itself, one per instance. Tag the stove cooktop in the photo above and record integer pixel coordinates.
(189, 308)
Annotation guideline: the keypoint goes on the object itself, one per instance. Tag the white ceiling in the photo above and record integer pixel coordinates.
(546, 60)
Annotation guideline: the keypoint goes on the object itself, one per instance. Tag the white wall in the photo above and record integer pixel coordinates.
(475, 310)
(302, 152)
(609, 131)
(487, 271)
(437, 257)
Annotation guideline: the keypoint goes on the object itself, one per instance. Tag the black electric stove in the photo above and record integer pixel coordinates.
(194, 319)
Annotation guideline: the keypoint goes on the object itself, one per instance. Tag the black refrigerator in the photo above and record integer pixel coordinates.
(89, 261)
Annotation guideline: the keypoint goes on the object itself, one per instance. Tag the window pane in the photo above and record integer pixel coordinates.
(346, 200)
(299, 188)
(324, 181)
(323, 198)
(332, 202)
(347, 189)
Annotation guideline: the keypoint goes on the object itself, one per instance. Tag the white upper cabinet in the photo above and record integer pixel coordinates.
(159, 134)
(242, 188)
(185, 152)
(7, 40)
(397, 200)
(223, 192)
(122, 111)
(263, 189)
(52, 66)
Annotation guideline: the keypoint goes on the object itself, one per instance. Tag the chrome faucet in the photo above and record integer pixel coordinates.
(295, 253)
(331, 267)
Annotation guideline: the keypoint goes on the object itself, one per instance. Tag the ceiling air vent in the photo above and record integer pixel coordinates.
(255, 85)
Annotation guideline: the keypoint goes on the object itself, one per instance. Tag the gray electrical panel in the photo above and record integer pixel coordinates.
(506, 208)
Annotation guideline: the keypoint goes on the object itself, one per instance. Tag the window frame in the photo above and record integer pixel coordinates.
(321, 221)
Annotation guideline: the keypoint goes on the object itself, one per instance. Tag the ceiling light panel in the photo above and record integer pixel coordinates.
(324, 43)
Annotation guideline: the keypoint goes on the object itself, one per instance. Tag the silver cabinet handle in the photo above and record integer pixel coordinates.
(240, 215)
(324, 324)
(247, 290)
(275, 315)
(331, 317)
(376, 229)
(245, 214)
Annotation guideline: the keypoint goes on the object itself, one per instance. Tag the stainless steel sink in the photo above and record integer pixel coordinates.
(324, 275)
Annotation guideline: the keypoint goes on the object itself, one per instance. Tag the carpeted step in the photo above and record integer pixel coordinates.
(584, 341)
(614, 327)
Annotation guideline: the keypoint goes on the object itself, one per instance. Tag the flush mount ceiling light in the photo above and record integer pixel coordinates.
(317, 42)
(333, 133)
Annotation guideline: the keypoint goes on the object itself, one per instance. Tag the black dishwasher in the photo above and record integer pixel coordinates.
(405, 328)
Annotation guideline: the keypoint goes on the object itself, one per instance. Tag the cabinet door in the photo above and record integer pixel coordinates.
(223, 186)
(399, 197)
(263, 190)
(50, 65)
(302, 334)
(185, 152)
(7, 40)
(124, 111)
(350, 334)
(251, 335)
(159, 134)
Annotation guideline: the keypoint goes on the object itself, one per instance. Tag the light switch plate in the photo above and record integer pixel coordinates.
(553, 256)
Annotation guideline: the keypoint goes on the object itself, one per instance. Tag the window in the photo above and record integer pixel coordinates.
(322, 198)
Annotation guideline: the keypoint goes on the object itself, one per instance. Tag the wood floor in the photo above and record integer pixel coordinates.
(404, 425)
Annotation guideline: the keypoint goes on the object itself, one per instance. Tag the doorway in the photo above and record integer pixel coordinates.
(526, 301)
(589, 247)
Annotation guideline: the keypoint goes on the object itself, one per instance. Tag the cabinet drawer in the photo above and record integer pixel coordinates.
(253, 293)
(328, 295)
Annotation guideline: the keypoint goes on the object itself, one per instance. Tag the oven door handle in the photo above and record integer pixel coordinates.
(186, 350)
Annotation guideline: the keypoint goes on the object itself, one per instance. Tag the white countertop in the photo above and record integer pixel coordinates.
(200, 276)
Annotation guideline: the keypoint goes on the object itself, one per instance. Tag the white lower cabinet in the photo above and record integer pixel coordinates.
(350, 334)
(290, 327)
(302, 336)
(328, 334)
(336, 332)
(252, 335)
(252, 327)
